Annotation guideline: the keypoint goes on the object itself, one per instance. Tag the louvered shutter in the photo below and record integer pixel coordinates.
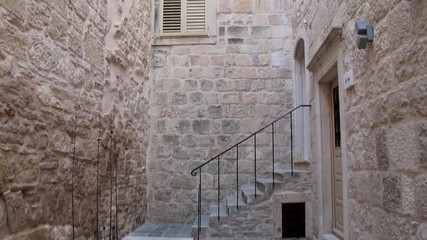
(183, 17)
(171, 21)
(196, 16)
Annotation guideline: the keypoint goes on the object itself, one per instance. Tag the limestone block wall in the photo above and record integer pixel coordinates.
(385, 112)
(60, 60)
(206, 97)
(256, 222)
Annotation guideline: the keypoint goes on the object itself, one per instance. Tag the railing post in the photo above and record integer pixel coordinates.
(218, 188)
(199, 220)
(255, 163)
(272, 148)
(237, 176)
(292, 146)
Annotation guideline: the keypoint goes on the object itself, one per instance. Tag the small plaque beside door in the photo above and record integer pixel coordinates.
(348, 79)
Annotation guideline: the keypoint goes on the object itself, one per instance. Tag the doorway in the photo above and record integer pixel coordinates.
(336, 162)
(329, 151)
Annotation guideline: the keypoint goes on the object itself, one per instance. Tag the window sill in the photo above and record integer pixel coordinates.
(183, 40)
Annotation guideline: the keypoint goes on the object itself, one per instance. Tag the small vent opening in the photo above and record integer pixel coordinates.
(293, 220)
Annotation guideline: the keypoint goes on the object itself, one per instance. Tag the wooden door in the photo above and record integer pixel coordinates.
(337, 178)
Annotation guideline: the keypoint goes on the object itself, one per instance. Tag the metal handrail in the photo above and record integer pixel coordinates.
(217, 157)
(194, 171)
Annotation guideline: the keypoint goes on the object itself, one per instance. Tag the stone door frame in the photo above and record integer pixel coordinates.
(325, 66)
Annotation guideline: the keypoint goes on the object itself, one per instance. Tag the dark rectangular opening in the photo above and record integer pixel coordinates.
(293, 220)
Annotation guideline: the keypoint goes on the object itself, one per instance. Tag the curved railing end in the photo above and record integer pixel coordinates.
(194, 172)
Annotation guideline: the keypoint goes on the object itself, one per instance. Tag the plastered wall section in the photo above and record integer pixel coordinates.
(206, 97)
(385, 112)
(60, 60)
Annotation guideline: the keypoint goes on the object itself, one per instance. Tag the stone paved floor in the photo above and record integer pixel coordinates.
(161, 231)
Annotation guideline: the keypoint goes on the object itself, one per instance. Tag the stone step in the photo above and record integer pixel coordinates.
(161, 231)
(302, 165)
(214, 214)
(266, 184)
(204, 222)
(232, 203)
(284, 175)
(203, 227)
(300, 192)
(248, 193)
(301, 195)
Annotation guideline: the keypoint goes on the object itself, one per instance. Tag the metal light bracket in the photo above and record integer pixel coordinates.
(365, 34)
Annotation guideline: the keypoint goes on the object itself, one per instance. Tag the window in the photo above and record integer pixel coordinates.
(184, 17)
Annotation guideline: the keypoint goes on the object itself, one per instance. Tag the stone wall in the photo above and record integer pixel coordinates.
(62, 60)
(206, 97)
(255, 222)
(385, 112)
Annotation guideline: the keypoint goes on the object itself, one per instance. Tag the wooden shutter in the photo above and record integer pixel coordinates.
(183, 17)
(171, 20)
(196, 16)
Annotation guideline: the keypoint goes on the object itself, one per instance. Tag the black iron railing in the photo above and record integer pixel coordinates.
(198, 170)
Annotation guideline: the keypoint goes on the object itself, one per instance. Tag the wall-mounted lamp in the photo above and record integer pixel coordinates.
(365, 34)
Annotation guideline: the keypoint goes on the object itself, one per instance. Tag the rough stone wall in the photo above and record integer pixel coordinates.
(60, 60)
(256, 222)
(385, 112)
(206, 97)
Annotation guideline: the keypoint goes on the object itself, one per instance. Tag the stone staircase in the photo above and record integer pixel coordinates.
(254, 218)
